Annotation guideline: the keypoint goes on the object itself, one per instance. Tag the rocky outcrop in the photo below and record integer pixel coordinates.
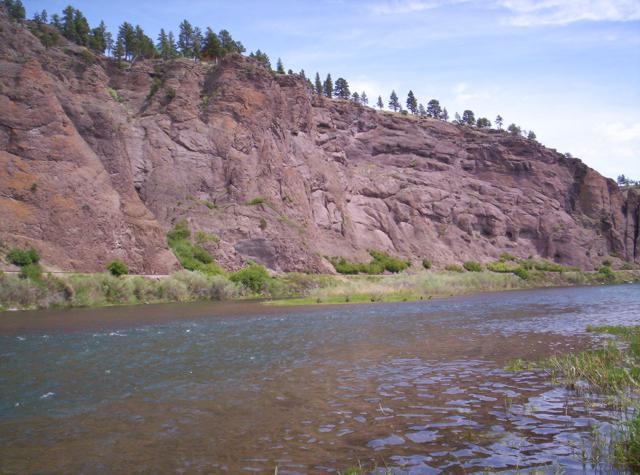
(97, 162)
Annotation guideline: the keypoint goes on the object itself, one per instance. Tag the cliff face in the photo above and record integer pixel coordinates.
(97, 163)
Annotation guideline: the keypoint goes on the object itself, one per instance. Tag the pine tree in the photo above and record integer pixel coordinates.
(364, 100)
(483, 123)
(68, 24)
(531, 135)
(56, 22)
(499, 122)
(355, 97)
(422, 111)
(39, 19)
(458, 120)
(82, 28)
(97, 39)
(394, 104)
(513, 129)
(228, 44)
(198, 43)
(142, 45)
(302, 74)
(433, 109)
(15, 9)
(163, 45)
(412, 103)
(341, 89)
(380, 104)
(445, 115)
(468, 117)
(328, 86)
(212, 49)
(127, 34)
(119, 51)
(279, 67)
(172, 45)
(261, 57)
(185, 39)
(318, 85)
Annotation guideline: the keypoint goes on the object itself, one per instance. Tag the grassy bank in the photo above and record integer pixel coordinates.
(96, 290)
(88, 290)
(614, 371)
(437, 284)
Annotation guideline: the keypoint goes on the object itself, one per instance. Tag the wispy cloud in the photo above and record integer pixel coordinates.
(562, 12)
(619, 132)
(409, 6)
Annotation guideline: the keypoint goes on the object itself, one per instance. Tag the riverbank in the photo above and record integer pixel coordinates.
(99, 290)
(440, 284)
(608, 376)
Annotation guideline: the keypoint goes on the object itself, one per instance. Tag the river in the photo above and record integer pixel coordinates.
(245, 388)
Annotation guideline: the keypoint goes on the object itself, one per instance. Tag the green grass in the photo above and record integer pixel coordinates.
(191, 256)
(402, 287)
(381, 261)
(114, 94)
(93, 290)
(472, 266)
(613, 370)
(256, 201)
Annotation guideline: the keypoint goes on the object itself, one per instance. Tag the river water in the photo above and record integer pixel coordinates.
(245, 388)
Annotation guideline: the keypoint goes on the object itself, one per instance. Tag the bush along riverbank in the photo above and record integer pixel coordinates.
(383, 279)
(608, 376)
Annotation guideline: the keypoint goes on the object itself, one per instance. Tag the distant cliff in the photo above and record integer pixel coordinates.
(97, 163)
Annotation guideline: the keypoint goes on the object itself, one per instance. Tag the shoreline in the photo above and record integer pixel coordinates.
(288, 290)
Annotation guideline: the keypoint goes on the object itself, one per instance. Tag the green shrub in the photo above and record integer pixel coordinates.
(389, 263)
(606, 263)
(254, 277)
(522, 273)
(117, 268)
(180, 232)
(31, 271)
(21, 257)
(503, 267)
(171, 93)
(263, 224)
(114, 94)
(548, 266)
(87, 56)
(627, 266)
(454, 268)
(256, 201)
(426, 263)
(606, 271)
(191, 256)
(381, 261)
(204, 237)
(117, 290)
(155, 86)
(506, 256)
(472, 266)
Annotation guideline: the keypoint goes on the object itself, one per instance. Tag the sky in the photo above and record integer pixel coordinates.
(567, 69)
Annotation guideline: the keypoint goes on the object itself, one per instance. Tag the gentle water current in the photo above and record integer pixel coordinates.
(241, 388)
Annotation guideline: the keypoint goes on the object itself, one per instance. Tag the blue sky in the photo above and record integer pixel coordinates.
(567, 69)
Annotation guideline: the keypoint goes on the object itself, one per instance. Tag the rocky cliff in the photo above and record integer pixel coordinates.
(98, 162)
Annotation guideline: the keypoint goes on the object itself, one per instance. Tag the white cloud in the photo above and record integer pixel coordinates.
(563, 12)
(408, 6)
(618, 132)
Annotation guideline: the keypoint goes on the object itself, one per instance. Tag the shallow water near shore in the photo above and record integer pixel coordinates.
(238, 387)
